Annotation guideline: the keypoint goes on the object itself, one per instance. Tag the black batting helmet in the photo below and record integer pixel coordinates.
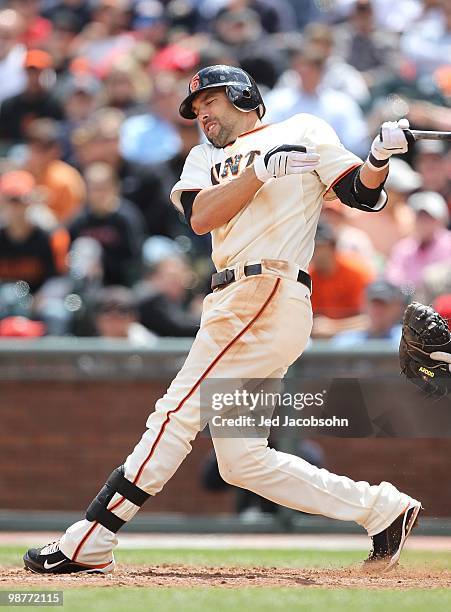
(241, 89)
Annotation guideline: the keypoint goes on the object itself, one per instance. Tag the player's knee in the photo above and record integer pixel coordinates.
(228, 471)
(238, 470)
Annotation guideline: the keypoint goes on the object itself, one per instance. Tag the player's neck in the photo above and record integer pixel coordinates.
(249, 124)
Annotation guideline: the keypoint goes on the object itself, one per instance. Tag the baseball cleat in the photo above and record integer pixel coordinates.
(51, 560)
(388, 544)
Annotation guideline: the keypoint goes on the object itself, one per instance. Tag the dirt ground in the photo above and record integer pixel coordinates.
(168, 575)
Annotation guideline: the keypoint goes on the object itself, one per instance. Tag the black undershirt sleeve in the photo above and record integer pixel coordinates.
(352, 192)
(187, 200)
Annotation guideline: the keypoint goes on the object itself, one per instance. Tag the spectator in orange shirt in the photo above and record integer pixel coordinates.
(339, 281)
(62, 185)
(27, 252)
(36, 100)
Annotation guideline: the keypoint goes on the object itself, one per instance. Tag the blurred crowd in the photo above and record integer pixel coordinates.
(91, 143)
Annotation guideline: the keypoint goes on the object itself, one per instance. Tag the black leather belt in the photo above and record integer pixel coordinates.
(225, 277)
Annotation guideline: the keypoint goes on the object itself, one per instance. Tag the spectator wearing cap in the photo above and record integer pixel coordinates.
(60, 44)
(114, 223)
(428, 44)
(431, 163)
(121, 89)
(436, 281)
(75, 13)
(238, 27)
(162, 295)
(115, 317)
(150, 137)
(105, 37)
(400, 15)
(175, 59)
(150, 22)
(80, 98)
(338, 74)
(12, 54)
(340, 282)
(384, 307)
(430, 242)
(36, 101)
(97, 140)
(308, 96)
(396, 221)
(27, 252)
(61, 185)
(275, 17)
(367, 47)
(35, 28)
(240, 30)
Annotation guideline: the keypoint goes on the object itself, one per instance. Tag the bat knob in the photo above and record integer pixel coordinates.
(409, 137)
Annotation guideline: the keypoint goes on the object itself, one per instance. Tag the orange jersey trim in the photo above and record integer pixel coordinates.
(347, 171)
(257, 129)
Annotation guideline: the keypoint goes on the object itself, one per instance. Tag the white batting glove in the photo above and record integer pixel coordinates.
(441, 356)
(391, 140)
(285, 159)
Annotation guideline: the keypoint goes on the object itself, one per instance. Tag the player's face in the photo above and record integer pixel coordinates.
(216, 115)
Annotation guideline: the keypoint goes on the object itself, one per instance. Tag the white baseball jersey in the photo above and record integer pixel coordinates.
(280, 221)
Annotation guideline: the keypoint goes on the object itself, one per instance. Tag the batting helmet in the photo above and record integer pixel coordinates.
(240, 87)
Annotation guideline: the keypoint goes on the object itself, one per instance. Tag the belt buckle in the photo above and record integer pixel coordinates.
(229, 276)
(224, 278)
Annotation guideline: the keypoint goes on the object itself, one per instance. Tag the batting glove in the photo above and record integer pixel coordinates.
(441, 356)
(391, 140)
(285, 159)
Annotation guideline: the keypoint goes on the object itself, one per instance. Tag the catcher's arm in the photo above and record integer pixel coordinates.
(425, 350)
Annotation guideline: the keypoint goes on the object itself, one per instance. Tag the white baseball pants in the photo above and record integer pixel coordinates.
(253, 328)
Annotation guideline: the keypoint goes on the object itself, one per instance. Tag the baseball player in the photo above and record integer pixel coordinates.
(258, 189)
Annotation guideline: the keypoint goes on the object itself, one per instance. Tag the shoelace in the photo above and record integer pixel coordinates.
(51, 548)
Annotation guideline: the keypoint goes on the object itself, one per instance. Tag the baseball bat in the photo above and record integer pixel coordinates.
(428, 135)
(413, 135)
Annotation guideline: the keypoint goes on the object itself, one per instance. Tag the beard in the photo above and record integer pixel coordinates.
(223, 137)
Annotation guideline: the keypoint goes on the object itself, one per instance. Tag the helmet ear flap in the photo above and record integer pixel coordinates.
(244, 99)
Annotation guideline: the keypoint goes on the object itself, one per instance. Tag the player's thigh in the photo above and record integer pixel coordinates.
(226, 346)
(294, 327)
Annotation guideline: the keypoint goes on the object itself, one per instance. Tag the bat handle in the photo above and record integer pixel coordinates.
(408, 134)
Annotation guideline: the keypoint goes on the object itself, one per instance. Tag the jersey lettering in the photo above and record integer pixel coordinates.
(232, 166)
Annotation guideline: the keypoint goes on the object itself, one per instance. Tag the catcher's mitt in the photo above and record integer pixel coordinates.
(424, 332)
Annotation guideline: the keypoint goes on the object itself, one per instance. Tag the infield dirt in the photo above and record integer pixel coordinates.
(170, 575)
